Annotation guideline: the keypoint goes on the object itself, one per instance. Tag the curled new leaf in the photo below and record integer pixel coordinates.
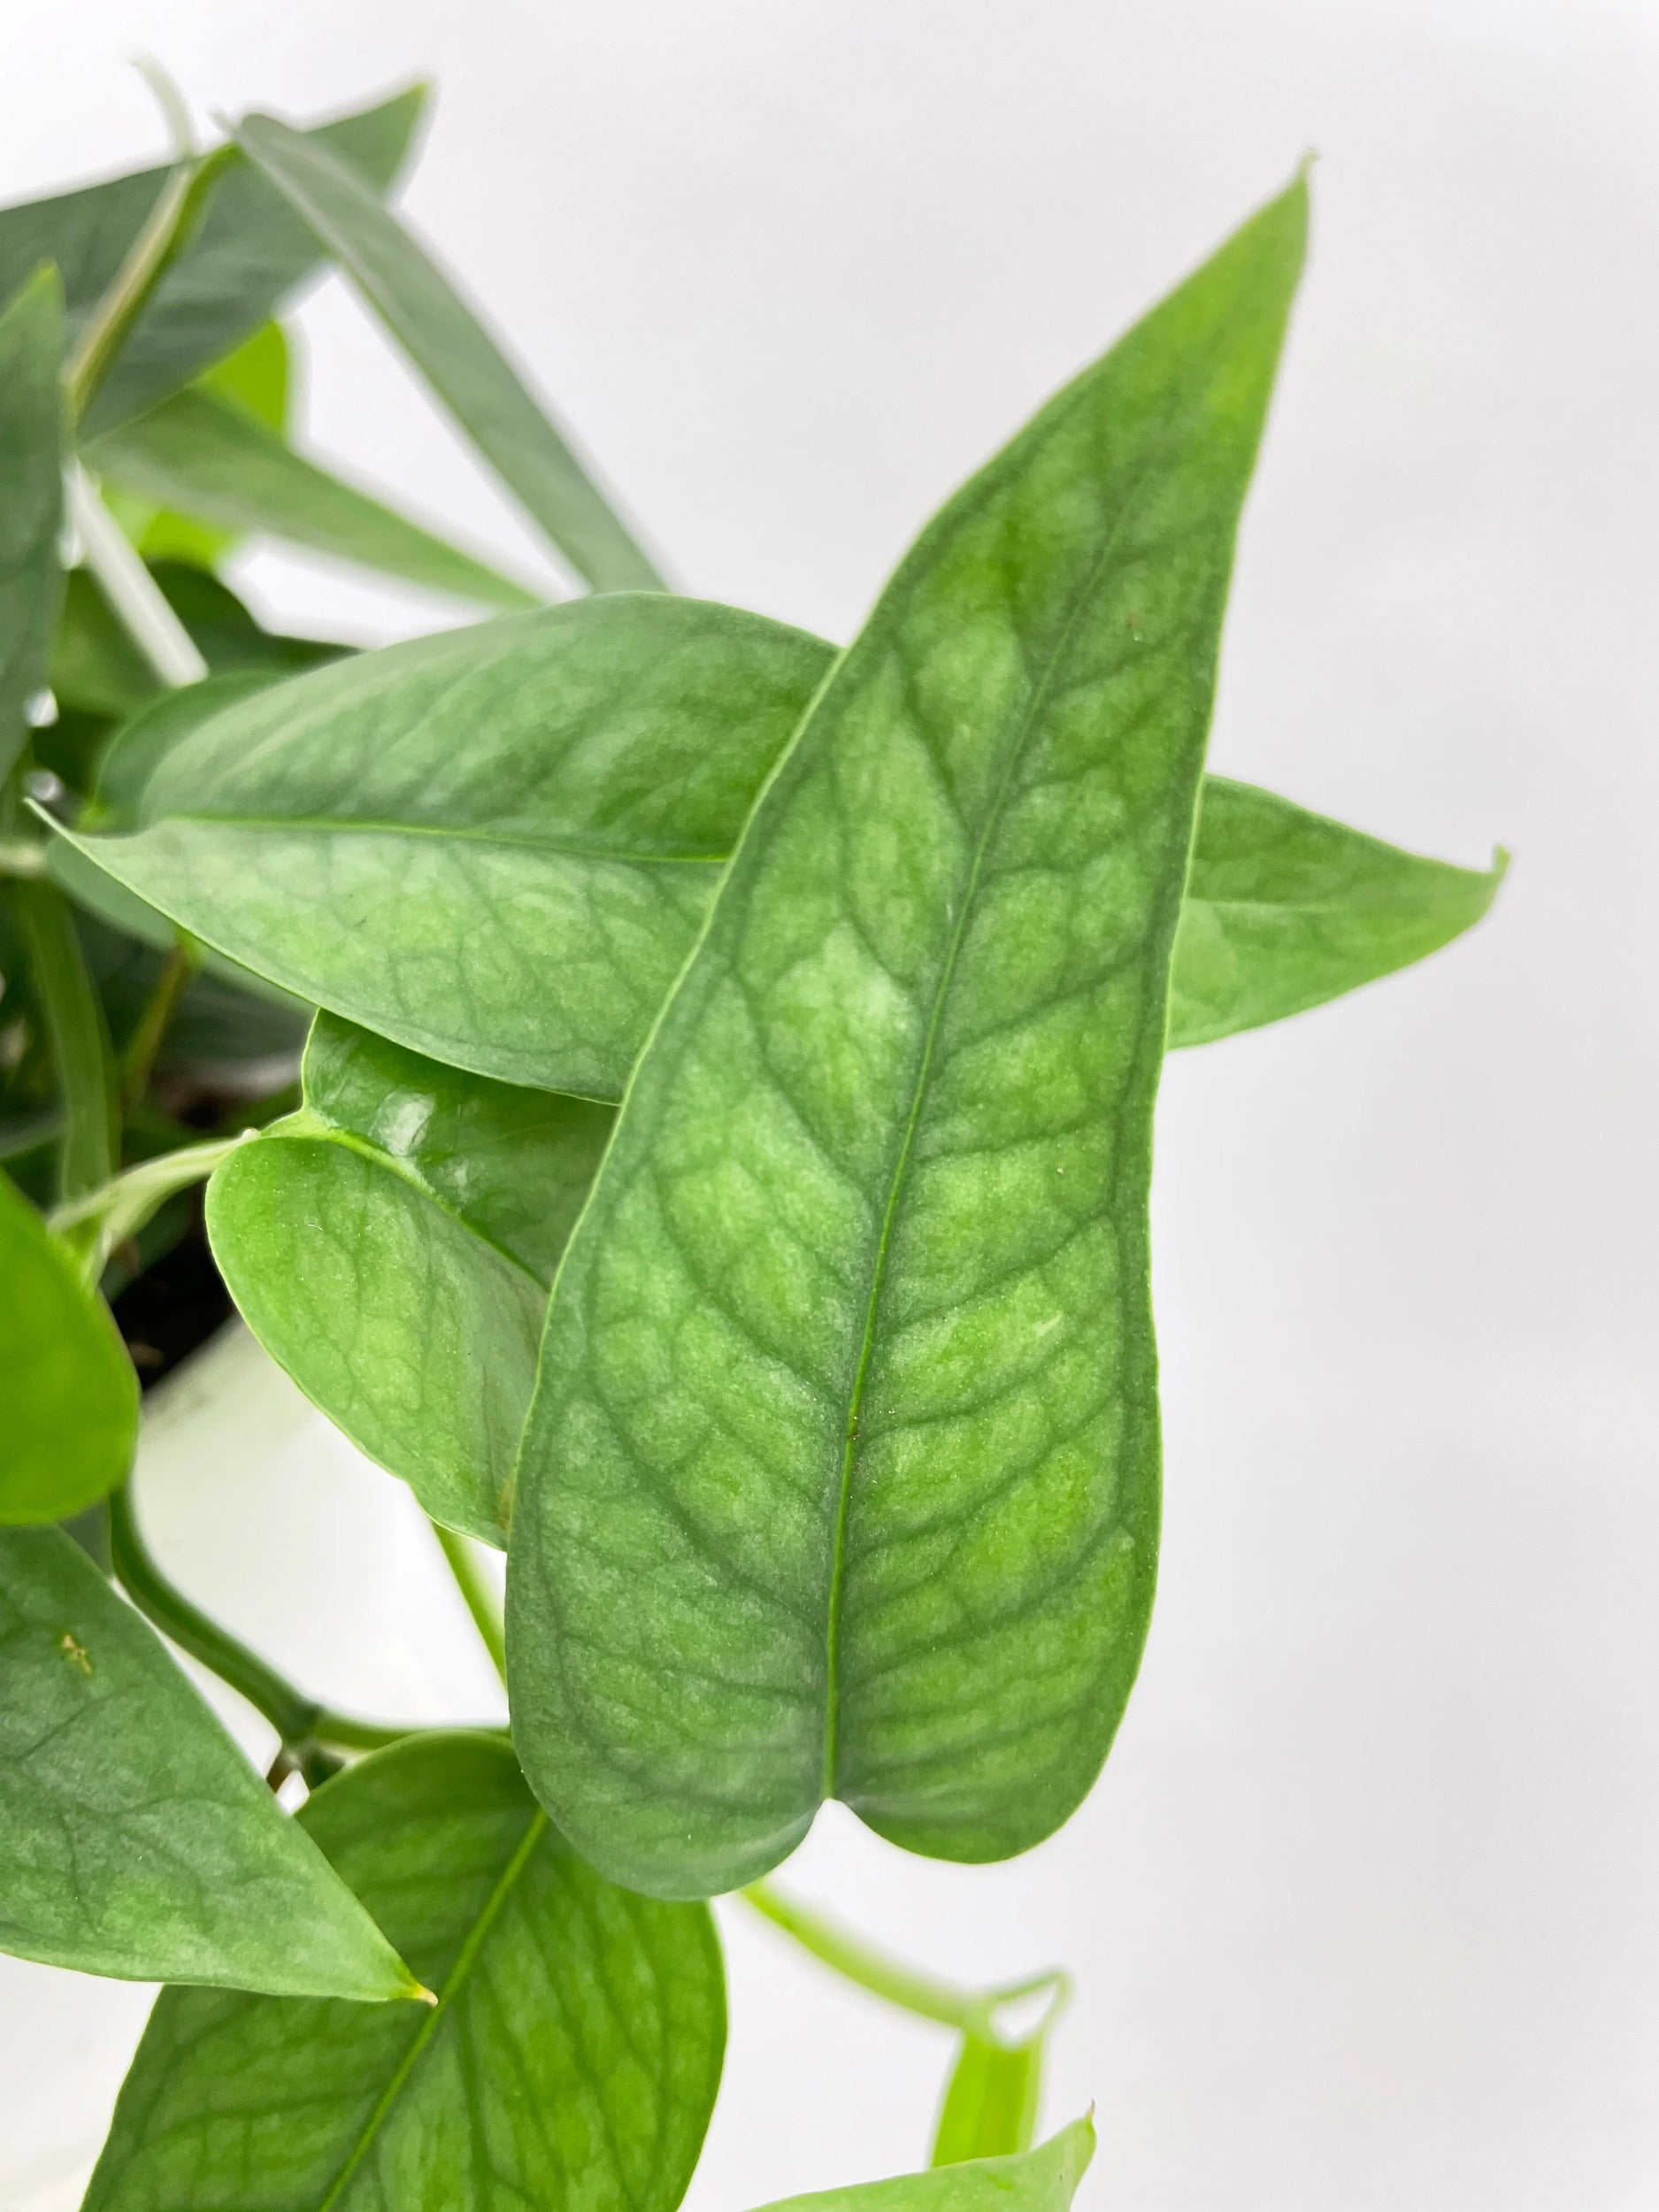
(572, 2058)
(391, 1246)
(841, 1476)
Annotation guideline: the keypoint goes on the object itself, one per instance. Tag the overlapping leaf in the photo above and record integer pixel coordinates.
(248, 252)
(496, 846)
(571, 2059)
(465, 368)
(135, 1838)
(67, 1387)
(1043, 2180)
(391, 1244)
(842, 1476)
(31, 511)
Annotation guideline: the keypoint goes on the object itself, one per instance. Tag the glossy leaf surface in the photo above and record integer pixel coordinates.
(571, 2060)
(249, 253)
(493, 845)
(67, 1387)
(391, 1246)
(31, 508)
(841, 1478)
(135, 1840)
(593, 713)
(1286, 909)
(205, 457)
(1043, 2180)
(456, 356)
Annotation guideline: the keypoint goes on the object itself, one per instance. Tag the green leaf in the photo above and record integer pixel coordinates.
(991, 2100)
(391, 1246)
(571, 2062)
(249, 253)
(1043, 2180)
(79, 1035)
(31, 512)
(462, 362)
(70, 1395)
(1286, 909)
(492, 790)
(197, 454)
(135, 1838)
(493, 845)
(841, 1476)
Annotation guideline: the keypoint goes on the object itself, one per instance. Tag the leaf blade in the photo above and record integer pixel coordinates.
(456, 355)
(876, 1202)
(185, 1867)
(543, 1971)
(1039, 2180)
(31, 515)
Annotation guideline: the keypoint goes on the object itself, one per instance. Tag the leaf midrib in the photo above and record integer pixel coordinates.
(345, 826)
(464, 1958)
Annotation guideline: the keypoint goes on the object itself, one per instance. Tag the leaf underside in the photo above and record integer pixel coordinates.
(841, 1476)
(571, 2059)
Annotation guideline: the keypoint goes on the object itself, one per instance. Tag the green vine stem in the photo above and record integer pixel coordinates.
(159, 1008)
(100, 1219)
(970, 2012)
(78, 1034)
(130, 589)
(303, 1725)
(480, 1599)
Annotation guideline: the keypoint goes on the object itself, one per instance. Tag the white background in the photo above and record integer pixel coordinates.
(1365, 1910)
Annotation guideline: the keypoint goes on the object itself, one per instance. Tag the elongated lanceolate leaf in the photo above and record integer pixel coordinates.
(249, 253)
(1286, 909)
(841, 1478)
(207, 458)
(456, 356)
(31, 499)
(588, 770)
(68, 1395)
(135, 1840)
(1043, 2180)
(493, 845)
(391, 1246)
(571, 2059)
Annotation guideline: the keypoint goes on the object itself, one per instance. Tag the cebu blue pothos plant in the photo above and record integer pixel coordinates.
(716, 1173)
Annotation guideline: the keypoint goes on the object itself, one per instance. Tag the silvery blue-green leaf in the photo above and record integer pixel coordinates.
(135, 1840)
(249, 253)
(208, 458)
(456, 356)
(1286, 909)
(407, 841)
(1043, 2180)
(571, 2061)
(68, 1395)
(391, 1246)
(31, 508)
(493, 845)
(841, 1476)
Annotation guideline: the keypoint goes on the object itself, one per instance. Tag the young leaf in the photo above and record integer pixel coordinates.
(1043, 2180)
(197, 454)
(70, 1395)
(991, 2100)
(456, 356)
(493, 845)
(391, 1246)
(31, 511)
(1286, 909)
(249, 253)
(571, 2059)
(255, 840)
(135, 1838)
(841, 1476)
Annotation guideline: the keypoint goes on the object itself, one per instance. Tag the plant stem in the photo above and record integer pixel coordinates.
(120, 1208)
(145, 1041)
(480, 1599)
(302, 1724)
(130, 589)
(78, 1036)
(972, 2012)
